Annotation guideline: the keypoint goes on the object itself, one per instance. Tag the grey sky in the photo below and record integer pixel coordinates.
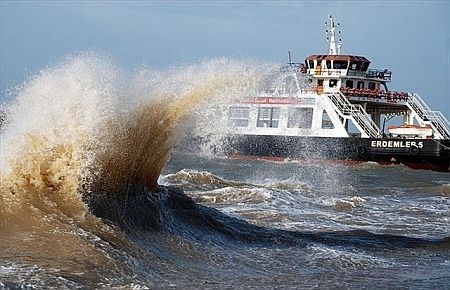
(412, 38)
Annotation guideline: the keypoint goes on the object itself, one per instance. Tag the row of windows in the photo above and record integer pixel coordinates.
(349, 84)
(360, 85)
(270, 116)
(340, 64)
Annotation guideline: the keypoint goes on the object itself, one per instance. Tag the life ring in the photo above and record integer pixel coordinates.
(414, 150)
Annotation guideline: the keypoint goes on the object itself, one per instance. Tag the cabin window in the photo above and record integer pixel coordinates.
(353, 65)
(268, 117)
(333, 83)
(300, 118)
(328, 64)
(349, 84)
(311, 63)
(360, 85)
(372, 86)
(339, 64)
(365, 66)
(238, 116)
(326, 121)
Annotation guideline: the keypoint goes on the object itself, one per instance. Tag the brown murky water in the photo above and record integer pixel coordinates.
(80, 207)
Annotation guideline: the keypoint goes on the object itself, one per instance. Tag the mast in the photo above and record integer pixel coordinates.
(335, 47)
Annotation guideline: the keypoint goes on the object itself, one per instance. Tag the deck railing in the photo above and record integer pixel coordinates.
(357, 112)
(376, 94)
(384, 75)
(435, 119)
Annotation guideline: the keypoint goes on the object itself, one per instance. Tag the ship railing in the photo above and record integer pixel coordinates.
(441, 123)
(376, 94)
(357, 112)
(379, 74)
(436, 119)
(332, 72)
(385, 74)
(326, 72)
(419, 105)
(371, 73)
(369, 126)
(309, 91)
(443, 119)
(355, 73)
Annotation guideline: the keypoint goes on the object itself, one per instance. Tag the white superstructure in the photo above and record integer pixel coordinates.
(332, 95)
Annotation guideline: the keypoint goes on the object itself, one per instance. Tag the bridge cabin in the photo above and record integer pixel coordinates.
(333, 72)
(326, 93)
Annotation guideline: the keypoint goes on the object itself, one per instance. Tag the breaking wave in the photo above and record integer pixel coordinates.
(83, 146)
(199, 180)
(82, 127)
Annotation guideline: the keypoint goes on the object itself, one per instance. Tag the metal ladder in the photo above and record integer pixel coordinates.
(435, 119)
(356, 112)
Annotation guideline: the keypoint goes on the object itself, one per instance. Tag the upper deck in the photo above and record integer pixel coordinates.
(327, 66)
(328, 92)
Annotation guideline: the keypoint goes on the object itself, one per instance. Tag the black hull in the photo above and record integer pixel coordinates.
(415, 153)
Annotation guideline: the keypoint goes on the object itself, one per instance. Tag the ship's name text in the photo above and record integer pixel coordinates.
(396, 144)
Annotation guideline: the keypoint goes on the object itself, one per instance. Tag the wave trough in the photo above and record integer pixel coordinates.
(83, 146)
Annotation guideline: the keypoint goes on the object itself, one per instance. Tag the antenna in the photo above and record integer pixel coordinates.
(289, 57)
(335, 48)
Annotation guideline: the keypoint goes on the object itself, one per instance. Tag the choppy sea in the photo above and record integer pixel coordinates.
(92, 196)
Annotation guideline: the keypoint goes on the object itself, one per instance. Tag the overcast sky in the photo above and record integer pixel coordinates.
(412, 38)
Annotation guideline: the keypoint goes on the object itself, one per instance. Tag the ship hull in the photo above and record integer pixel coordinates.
(415, 153)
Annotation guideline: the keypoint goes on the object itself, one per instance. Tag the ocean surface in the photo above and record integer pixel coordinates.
(93, 196)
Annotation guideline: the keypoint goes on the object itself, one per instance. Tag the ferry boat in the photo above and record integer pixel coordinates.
(335, 107)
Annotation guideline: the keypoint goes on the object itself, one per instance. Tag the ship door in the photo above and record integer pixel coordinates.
(318, 69)
(320, 87)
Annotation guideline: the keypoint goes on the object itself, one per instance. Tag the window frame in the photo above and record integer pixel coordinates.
(235, 119)
(304, 118)
(271, 120)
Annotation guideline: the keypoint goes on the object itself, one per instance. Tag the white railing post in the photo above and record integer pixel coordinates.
(435, 119)
(357, 112)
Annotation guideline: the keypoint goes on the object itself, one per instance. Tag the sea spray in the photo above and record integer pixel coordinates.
(48, 141)
(85, 128)
(85, 133)
(80, 122)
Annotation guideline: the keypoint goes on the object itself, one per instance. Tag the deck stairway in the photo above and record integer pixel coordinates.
(435, 119)
(355, 112)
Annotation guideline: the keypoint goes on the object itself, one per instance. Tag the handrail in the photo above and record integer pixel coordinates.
(440, 122)
(385, 75)
(420, 101)
(436, 119)
(357, 112)
(379, 74)
(442, 118)
(394, 95)
(326, 72)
